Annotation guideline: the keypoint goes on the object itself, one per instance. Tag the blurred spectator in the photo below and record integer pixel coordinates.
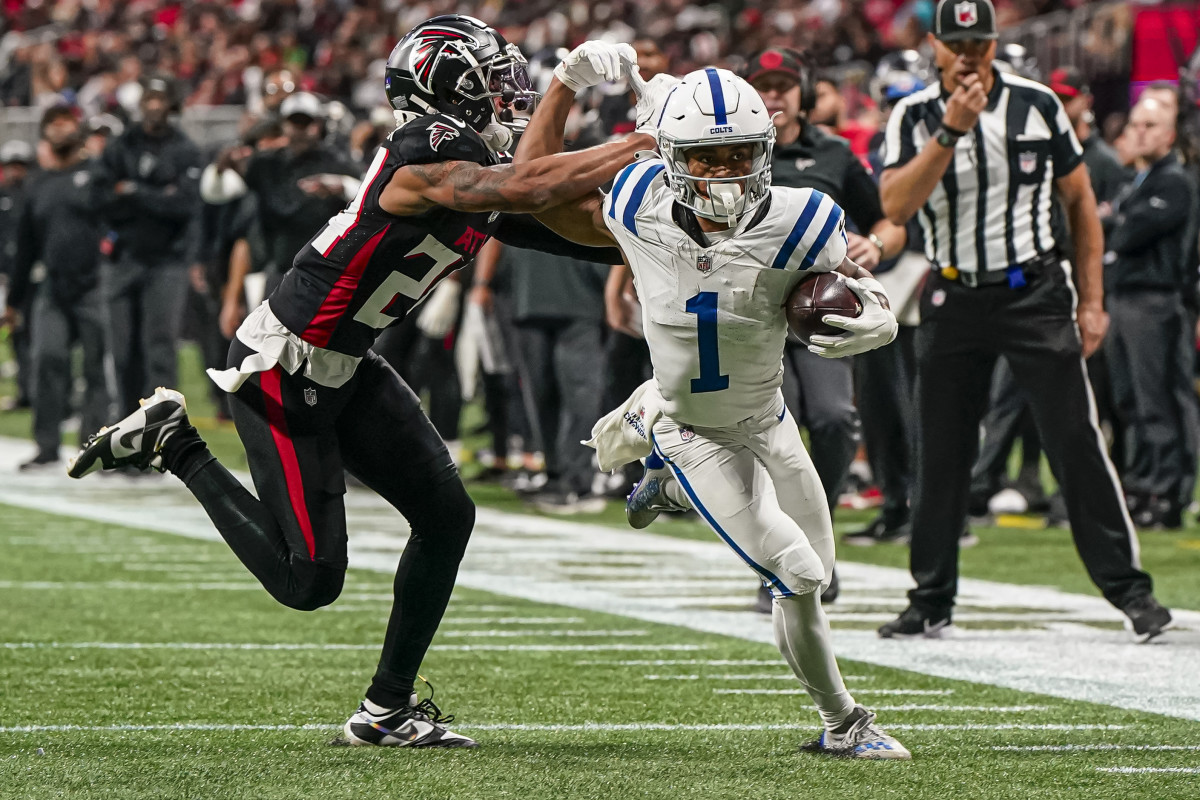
(1151, 231)
(16, 158)
(58, 241)
(147, 185)
(298, 187)
(100, 130)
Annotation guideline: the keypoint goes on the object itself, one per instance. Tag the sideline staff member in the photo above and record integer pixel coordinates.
(974, 158)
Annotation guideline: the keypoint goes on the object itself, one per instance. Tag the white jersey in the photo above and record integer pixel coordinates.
(713, 315)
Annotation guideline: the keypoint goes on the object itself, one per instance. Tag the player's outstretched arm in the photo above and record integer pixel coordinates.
(536, 181)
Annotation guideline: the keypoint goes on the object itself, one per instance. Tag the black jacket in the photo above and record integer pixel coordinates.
(59, 227)
(1148, 245)
(154, 224)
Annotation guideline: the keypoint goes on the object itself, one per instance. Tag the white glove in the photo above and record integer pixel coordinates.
(593, 63)
(874, 327)
(440, 310)
(497, 137)
(651, 95)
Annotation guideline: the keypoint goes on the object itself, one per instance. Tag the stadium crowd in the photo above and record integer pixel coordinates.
(118, 230)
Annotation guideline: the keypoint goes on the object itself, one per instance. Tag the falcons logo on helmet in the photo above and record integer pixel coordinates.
(440, 132)
(428, 47)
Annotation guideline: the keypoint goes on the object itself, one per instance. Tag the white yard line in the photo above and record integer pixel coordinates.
(533, 558)
(517, 634)
(669, 662)
(773, 677)
(1151, 770)
(1069, 748)
(554, 728)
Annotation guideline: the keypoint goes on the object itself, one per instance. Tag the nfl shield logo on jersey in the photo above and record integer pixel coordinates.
(1028, 162)
(310, 395)
(704, 263)
(686, 433)
(966, 14)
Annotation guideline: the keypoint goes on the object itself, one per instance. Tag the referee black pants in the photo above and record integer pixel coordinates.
(963, 330)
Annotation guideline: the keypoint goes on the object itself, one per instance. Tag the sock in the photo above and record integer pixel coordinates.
(654, 461)
(375, 709)
(184, 453)
(802, 635)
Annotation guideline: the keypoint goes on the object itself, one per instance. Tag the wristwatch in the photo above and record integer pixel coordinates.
(946, 138)
(875, 240)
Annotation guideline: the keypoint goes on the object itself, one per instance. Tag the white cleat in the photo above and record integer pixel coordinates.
(136, 440)
(861, 738)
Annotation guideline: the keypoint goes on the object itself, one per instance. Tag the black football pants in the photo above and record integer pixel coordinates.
(962, 332)
(299, 436)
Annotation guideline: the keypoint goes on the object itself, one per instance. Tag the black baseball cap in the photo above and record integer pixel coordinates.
(958, 20)
(1068, 82)
(773, 59)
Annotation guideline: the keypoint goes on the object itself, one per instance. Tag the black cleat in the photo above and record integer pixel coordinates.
(1147, 618)
(912, 624)
(136, 440)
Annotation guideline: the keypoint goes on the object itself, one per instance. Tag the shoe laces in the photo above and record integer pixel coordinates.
(428, 709)
(865, 723)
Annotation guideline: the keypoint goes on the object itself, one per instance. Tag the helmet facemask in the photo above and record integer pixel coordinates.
(714, 108)
(723, 199)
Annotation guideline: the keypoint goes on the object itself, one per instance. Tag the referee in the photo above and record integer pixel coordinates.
(977, 158)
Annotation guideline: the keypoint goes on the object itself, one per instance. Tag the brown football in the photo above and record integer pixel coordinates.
(814, 297)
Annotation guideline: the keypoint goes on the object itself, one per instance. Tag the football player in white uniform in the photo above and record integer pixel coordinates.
(715, 250)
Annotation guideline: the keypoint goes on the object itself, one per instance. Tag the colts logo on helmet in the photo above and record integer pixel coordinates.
(440, 132)
(428, 47)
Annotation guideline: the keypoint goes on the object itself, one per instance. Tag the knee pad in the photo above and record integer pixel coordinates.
(800, 569)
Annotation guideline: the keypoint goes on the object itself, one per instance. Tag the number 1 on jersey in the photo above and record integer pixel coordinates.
(704, 306)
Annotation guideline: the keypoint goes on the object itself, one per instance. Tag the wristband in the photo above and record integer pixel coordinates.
(955, 132)
(875, 240)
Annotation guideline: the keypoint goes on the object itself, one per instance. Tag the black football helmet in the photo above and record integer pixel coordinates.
(457, 65)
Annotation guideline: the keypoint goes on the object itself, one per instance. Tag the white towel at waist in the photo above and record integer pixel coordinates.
(623, 434)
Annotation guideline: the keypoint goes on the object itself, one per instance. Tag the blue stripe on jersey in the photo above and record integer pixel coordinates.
(768, 576)
(835, 216)
(635, 197)
(798, 231)
(616, 192)
(714, 83)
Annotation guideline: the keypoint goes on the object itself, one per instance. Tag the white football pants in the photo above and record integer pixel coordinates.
(755, 485)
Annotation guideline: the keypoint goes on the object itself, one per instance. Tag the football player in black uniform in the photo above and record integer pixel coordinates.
(308, 396)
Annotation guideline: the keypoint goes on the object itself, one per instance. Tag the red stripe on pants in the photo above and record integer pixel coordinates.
(287, 453)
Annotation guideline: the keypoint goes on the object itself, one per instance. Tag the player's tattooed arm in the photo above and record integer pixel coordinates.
(530, 187)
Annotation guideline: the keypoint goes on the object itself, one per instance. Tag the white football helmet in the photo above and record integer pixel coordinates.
(715, 107)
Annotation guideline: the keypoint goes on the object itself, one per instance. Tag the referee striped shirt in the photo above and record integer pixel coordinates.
(992, 207)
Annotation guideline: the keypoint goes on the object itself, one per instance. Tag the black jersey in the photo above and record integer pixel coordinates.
(367, 268)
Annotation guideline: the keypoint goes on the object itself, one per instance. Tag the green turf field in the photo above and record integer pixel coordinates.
(136, 664)
(143, 665)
